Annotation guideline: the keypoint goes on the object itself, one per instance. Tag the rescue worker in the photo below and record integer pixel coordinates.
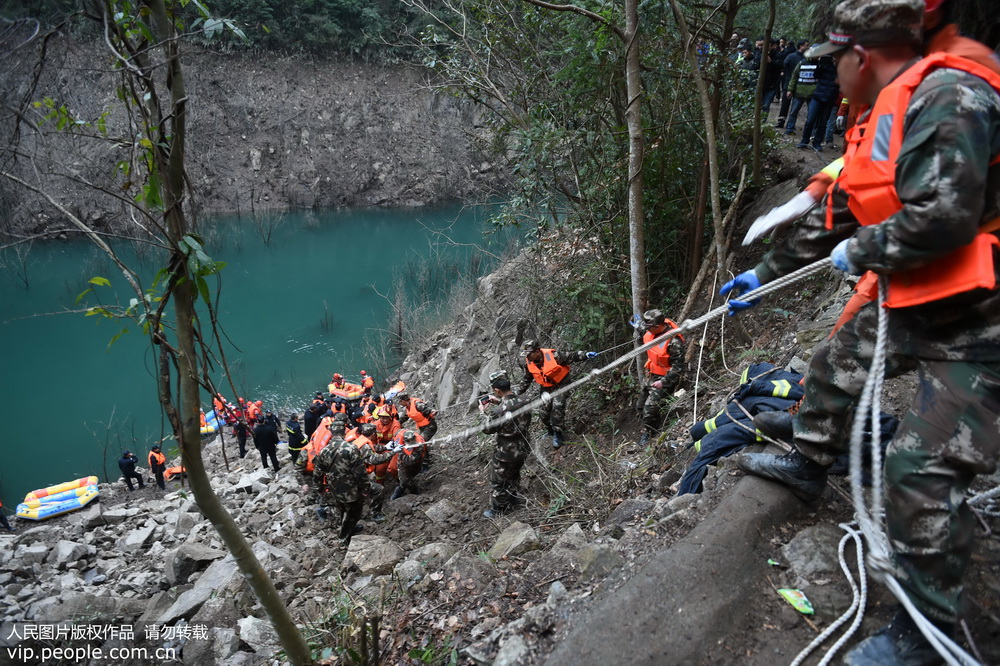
(664, 366)
(549, 369)
(512, 444)
(410, 451)
(272, 418)
(253, 410)
(918, 194)
(386, 425)
(265, 438)
(344, 484)
(368, 439)
(157, 465)
(127, 464)
(296, 438)
(424, 416)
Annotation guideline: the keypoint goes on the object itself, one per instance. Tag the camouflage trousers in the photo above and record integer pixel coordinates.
(948, 435)
(407, 474)
(653, 405)
(350, 511)
(505, 480)
(429, 430)
(553, 412)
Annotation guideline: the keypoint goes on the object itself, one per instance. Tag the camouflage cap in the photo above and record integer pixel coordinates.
(409, 436)
(340, 417)
(367, 429)
(498, 376)
(530, 345)
(873, 23)
(653, 317)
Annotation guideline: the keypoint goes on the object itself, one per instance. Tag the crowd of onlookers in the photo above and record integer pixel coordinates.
(796, 82)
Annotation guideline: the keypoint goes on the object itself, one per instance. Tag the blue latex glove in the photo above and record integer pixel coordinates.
(591, 354)
(744, 282)
(840, 260)
(636, 321)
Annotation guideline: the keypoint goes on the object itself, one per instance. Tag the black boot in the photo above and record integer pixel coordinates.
(776, 425)
(899, 643)
(557, 440)
(804, 477)
(397, 493)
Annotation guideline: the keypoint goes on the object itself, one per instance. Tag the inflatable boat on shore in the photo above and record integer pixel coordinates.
(59, 499)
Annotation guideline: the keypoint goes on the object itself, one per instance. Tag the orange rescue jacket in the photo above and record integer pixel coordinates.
(869, 178)
(551, 373)
(657, 356)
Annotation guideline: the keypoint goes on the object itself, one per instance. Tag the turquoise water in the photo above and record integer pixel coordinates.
(296, 309)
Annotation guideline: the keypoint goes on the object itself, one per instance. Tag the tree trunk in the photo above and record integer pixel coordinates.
(633, 119)
(184, 414)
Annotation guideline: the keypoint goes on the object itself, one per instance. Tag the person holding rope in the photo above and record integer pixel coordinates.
(549, 369)
(664, 366)
(917, 203)
(513, 443)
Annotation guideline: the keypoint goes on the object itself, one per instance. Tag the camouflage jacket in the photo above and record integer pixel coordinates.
(341, 467)
(948, 189)
(512, 433)
(561, 357)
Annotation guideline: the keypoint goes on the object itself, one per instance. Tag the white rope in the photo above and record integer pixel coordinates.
(879, 553)
(687, 326)
(984, 496)
(859, 592)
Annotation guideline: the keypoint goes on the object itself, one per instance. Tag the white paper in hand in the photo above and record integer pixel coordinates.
(777, 217)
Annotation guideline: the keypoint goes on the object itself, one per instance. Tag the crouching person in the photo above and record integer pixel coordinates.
(411, 453)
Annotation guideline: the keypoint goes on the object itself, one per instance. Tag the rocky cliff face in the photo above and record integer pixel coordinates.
(264, 133)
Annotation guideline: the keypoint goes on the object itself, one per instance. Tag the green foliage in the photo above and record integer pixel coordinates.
(437, 655)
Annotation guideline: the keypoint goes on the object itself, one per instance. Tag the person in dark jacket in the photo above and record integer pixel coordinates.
(296, 439)
(313, 415)
(241, 430)
(772, 76)
(265, 438)
(793, 56)
(823, 99)
(127, 464)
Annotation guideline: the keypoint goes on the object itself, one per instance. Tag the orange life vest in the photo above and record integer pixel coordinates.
(203, 419)
(174, 471)
(415, 414)
(869, 178)
(551, 372)
(253, 411)
(320, 437)
(657, 356)
(378, 470)
(156, 459)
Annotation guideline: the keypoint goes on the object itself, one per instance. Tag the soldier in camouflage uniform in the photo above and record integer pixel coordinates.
(664, 367)
(549, 369)
(948, 192)
(410, 453)
(512, 443)
(343, 482)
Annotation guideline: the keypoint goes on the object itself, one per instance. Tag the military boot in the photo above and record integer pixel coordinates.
(397, 493)
(899, 643)
(378, 518)
(644, 440)
(557, 439)
(804, 477)
(776, 425)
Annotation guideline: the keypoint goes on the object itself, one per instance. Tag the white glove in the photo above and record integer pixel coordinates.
(776, 218)
(840, 123)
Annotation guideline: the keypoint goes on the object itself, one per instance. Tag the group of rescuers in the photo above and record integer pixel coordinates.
(353, 440)
(916, 202)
